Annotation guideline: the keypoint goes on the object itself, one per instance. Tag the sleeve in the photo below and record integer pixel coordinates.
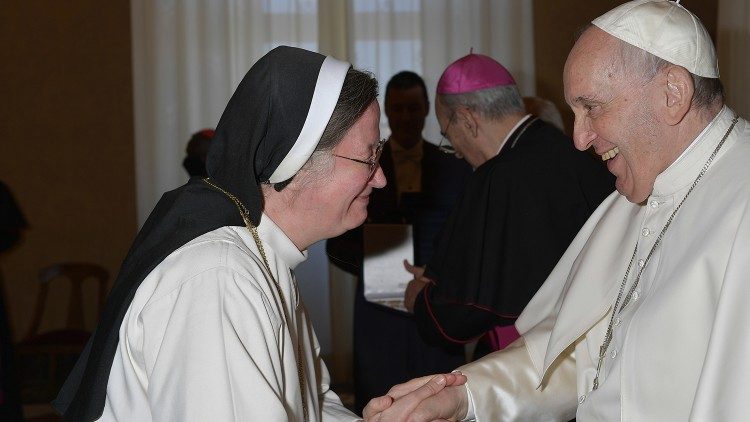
(720, 394)
(332, 408)
(220, 357)
(504, 386)
(439, 321)
(513, 224)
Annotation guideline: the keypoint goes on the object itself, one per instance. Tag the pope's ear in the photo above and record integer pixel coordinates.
(678, 94)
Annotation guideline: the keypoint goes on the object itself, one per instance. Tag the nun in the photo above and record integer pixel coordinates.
(205, 322)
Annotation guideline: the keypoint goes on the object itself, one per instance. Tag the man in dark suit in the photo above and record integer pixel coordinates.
(423, 186)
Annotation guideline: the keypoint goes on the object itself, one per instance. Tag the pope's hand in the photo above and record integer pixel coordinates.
(439, 397)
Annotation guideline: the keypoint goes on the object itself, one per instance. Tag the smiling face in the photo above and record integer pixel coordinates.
(615, 113)
(337, 201)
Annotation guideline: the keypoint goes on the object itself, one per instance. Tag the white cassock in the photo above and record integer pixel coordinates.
(681, 349)
(205, 338)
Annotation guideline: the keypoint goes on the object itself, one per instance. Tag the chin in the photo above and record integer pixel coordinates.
(353, 221)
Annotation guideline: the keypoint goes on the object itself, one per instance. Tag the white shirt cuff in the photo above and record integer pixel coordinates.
(470, 416)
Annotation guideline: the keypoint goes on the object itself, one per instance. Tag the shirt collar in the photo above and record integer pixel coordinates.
(513, 131)
(275, 239)
(683, 171)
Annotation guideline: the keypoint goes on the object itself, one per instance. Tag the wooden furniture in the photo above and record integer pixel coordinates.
(46, 358)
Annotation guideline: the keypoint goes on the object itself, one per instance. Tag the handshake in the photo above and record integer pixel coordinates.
(432, 398)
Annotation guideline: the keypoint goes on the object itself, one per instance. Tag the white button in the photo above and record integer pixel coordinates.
(645, 232)
(614, 353)
(654, 204)
(581, 399)
(617, 321)
(641, 263)
(635, 295)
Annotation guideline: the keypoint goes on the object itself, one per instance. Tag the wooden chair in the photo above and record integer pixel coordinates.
(46, 358)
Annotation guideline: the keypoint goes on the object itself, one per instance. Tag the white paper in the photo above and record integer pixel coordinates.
(386, 246)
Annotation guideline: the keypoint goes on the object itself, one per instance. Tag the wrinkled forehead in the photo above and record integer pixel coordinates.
(367, 126)
(594, 56)
(593, 48)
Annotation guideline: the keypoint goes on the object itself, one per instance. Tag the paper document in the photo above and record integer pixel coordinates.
(385, 248)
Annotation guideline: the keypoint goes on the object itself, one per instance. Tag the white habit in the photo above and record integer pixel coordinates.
(681, 349)
(205, 338)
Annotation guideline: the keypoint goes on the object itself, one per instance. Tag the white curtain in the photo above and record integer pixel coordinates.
(189, 55)
(424, 36)
(733, 45)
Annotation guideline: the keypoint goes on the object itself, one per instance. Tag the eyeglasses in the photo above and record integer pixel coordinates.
(447, 148)
(373, 161)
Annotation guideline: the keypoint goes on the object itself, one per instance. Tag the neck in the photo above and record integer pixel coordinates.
(276, 205)
(494, 133)
(687, 130)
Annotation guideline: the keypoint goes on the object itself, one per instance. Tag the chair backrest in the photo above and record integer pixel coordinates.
(75, 273)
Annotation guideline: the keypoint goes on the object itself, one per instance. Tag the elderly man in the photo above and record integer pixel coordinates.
(643, 317)
(530, 194)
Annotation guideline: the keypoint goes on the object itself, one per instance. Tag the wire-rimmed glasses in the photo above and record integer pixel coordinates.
(447, 148)
(373, 161)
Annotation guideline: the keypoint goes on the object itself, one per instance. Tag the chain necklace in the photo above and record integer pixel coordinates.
(617, 311)
(254, 231)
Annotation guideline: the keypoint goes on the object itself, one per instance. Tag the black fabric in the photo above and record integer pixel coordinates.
(11, 219)
(518, 214)
(443, 180)
(12, 222)
(385, 357)
(268, 109)
(256, 130)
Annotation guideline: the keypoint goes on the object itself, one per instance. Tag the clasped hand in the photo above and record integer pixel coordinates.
(432, 398)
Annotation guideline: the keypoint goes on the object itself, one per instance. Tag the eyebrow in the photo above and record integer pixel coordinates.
(585, 99)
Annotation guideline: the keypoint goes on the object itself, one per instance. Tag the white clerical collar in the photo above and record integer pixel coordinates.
(682, 172)
(512, 131)
(275, 239)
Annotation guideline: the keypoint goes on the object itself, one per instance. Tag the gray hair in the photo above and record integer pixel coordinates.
(492, 103)
(633, 59)
(359, 90)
